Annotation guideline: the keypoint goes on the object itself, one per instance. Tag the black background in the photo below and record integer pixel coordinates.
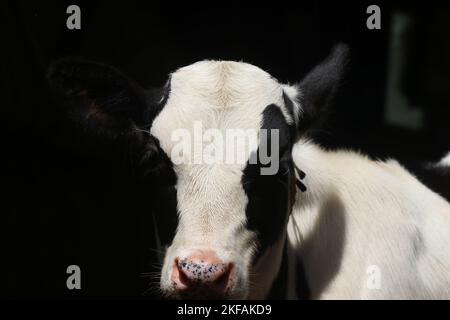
(70, 198)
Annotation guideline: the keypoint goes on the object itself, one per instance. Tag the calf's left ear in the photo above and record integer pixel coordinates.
(99, 97)
(320, 85)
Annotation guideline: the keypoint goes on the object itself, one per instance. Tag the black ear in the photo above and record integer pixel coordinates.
(320, 85)
(99, 96)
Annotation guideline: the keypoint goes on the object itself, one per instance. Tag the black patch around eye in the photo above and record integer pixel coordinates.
(267, 207)
(153, 163)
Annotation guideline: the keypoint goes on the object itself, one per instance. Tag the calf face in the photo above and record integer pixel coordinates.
(217, 138)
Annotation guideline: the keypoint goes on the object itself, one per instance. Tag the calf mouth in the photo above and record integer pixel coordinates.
(202, 292)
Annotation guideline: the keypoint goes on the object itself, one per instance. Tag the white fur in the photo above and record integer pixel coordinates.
(211, 199)
(359, 213)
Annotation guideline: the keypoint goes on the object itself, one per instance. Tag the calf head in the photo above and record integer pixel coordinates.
(217, 138)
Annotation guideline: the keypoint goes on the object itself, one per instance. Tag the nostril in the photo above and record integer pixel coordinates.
(182, 276)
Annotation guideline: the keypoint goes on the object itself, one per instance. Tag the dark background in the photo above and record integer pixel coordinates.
(71, 198)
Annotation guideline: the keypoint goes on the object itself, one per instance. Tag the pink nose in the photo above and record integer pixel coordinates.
(204, 272)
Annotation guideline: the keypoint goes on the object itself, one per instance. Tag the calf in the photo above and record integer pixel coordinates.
(224, 209)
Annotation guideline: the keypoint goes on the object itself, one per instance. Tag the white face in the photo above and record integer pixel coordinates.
(213, 243)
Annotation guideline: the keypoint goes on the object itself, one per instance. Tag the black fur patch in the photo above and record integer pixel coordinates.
(279, 286)
(302, 288)
(268, 195)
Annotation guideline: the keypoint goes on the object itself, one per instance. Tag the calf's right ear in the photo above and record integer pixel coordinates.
(100, 97)
(319, 87)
